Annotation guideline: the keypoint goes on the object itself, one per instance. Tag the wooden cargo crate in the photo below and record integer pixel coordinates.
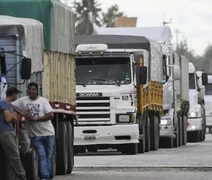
(59, 80)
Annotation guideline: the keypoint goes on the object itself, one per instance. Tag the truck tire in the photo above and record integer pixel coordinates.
(204, 126)
(53, 160)
(147, 135)
(180, 124)
(62, 150)
(176, 139)
(201, 135)
(154, 133)
(184, 118)
(131, 149)
(141, 144)
(30, 164)
(70, 148)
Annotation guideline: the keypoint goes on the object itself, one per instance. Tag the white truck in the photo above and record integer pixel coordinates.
(119, 93)
(174, 122)
(196, 119)
(208, 103)
(171, 125)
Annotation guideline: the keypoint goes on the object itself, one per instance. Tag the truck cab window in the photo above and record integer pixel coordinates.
(104, 71)
(192, 82)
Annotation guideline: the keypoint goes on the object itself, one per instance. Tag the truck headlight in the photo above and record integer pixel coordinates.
(165, 122)
(193, 114)
(124, 118)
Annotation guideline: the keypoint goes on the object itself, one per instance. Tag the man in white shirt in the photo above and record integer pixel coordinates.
(39, 127)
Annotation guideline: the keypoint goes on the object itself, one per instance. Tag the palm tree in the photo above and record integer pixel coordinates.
(109, 18)
(88, 14)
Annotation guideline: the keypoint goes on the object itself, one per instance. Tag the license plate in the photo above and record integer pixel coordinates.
(90, 137)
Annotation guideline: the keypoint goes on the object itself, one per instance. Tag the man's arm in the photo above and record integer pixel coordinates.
(18, 110)
(46, 117)
(8, 117)
(47, 111)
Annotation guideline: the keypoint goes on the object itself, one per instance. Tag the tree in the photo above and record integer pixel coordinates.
(110, 16)
(206, 62)
(200, 62)
(182, 49)
(88, 14)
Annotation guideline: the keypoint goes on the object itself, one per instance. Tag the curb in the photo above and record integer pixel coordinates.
(143, 166)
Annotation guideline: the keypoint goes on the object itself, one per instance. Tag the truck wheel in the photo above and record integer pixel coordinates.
(201, 135)
(204, 125)
(70, 148)
(53, 159)
(154, 133)
(30, 164)
(131, 149)
(176, 139)
(141, 144)
(180, 131)
(184, 130)
(147, 135)
(62, 150)
(92, 149)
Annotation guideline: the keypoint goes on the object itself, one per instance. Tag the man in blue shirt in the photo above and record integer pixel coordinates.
(8, 139)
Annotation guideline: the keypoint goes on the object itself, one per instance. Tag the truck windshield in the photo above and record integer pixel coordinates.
(104, 71)
(208, 89)
(192, 81)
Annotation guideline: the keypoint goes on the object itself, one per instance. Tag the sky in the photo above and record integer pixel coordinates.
(193, 18)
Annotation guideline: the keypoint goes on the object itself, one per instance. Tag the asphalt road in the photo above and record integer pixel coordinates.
(190, 162)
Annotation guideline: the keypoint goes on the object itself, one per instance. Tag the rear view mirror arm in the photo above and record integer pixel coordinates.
(7, 52)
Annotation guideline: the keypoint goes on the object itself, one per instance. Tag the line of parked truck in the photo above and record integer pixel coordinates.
(154, 97)
(121, 88)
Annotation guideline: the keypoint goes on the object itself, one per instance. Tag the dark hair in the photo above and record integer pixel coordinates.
(11, 91)
(32, 84)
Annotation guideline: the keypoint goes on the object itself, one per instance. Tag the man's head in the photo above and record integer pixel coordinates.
(12, 93)
(32, 90)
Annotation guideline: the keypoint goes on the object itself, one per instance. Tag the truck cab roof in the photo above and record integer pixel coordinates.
(116, 41)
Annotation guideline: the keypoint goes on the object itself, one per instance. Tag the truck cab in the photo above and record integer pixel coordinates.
(196, 115)
(106, 99)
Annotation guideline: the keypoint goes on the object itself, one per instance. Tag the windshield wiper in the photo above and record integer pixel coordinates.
(116, 82)
(82, 84)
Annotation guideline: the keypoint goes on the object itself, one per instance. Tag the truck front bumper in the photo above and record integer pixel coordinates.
(167, 131)
(103, 135)
(194, 124)
(209, 121)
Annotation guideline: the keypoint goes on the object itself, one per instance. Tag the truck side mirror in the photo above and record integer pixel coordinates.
(26, 67)
(143, 75)
(176, 73)
(204, 79)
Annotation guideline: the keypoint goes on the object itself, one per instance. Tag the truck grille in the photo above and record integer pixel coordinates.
(93, 110)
